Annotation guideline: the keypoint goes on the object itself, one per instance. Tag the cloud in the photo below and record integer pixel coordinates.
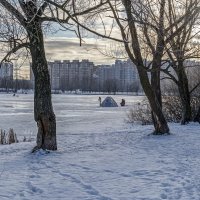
(60, 48)
(65, 48)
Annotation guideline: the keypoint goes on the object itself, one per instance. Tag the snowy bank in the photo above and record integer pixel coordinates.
(100, 156)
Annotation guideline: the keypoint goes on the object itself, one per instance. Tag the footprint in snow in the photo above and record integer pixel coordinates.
(163, 196)
(34, 176)
(33, 188)
(88, 188)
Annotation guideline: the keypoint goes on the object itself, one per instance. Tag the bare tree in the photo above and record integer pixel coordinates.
(32, 16)
(28, 14)
(179, 50)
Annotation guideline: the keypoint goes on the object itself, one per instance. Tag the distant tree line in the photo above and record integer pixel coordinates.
(8, 84)
(90, 84)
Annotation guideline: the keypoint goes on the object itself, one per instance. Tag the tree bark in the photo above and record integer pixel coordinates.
(43, 110)
(155, 84)
(197, 117)
(160, 123)
(157, 62)
(184, 95)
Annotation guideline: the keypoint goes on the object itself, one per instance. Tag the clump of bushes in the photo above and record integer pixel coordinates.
(172, 110)
(141, 113)
(9, 137)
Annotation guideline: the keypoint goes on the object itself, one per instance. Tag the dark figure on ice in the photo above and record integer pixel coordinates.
(99, 101)
(122, 102)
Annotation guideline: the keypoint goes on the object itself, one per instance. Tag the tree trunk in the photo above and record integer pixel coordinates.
(43, 110)
(185, 101)
(197, 117)
(184, 94)
(160, 123)
(157, 62)
(155, 84)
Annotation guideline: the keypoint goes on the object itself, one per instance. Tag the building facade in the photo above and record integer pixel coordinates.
(66, 75)
(121, 76)
(84, 75)
(6, 76)
(6, 70)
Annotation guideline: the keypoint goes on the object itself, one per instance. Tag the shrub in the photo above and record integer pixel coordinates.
(8, 138)
(12, 137)
(140, 113)
(3, 137)
(172, 110)
(172, 107)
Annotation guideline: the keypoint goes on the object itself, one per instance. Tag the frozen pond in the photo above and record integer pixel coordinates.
(73, 112)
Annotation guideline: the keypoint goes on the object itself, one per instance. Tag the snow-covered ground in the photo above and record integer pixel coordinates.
(100, 156)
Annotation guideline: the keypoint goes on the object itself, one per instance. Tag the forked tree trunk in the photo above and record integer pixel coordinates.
(43, 110)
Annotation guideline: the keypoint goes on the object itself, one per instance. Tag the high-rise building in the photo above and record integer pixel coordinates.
(54, 72)
(122, 75)
(83, 75)
(126, 73)
(6, 70)
(68, 75)
(104, 73)
(86, 70)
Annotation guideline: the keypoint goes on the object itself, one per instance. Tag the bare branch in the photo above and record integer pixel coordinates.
(14, 50)
(14, 11)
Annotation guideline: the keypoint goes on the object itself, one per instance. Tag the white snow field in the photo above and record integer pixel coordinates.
(100, 156)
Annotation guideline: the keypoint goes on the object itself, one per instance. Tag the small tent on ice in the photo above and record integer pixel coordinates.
(109, 102)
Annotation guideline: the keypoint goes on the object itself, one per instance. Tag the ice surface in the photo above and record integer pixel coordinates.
(100, 156)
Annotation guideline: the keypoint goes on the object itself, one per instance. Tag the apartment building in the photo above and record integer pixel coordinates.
(122, 75)
(71, 75)
(68, 75)
(6, 70)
